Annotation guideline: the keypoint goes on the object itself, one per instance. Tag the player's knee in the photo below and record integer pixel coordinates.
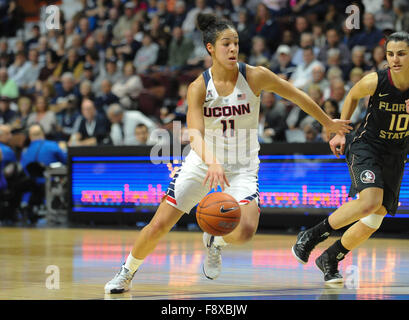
(370, 206)
(247, 231)
(157, 229)
(373, 221)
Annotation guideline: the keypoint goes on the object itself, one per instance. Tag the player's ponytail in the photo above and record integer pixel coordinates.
(211, 26)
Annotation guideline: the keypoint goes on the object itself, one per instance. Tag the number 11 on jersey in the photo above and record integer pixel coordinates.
(224, 123)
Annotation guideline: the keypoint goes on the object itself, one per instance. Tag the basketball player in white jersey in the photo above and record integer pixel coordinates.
(222, 119)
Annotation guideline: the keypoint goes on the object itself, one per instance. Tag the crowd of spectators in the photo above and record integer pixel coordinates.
(140, 56)
(115, 70)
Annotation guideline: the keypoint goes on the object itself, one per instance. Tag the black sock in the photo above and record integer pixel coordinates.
(322, 230)
(337, 251)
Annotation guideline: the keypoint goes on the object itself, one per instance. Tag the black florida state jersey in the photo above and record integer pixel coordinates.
(386, 125)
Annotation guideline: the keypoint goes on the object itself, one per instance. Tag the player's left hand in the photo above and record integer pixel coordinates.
(407, 105)
(339, 126)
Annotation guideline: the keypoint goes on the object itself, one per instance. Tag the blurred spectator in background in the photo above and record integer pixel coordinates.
(142, 136)
(189, 24)
(301, 25)
(18, 70)
(266, 27)
(65, 88)
(128, 47)
(71, 63)
(319, 79)
(35, 36)
(316, 94)
(105, 97)
(259, 54)
(10, 18)
(125, 22)
(32, 72)
(281, 63)
(111, 72)
(123, 124)
(180, 49)
(25, 108)
(146, 55)
(6, 55)
(306, 40)
(178, 15)
(8, 153)
(90, 72)
(331, 108)
(318, 35)
(47, 70)
(303, 72)
(91, 128)
(180, 110)
(237, 7)
(338, 92)
(333, 41)
(333, 58)
(66, 119)
(312, 134)
(357, 61)
(378, 59)
(8, 87)
(274, 118)
(385, 16)
(6, 114)
(245, 30)
(35, 158)
(43, 116)
(129, 87)
(401, 9)
(370, 36)
(355, 75)
(86, 92)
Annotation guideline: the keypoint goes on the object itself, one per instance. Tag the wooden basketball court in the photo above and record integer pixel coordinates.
(63, 263)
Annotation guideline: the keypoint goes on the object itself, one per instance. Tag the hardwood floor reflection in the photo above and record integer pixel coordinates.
(61, 263)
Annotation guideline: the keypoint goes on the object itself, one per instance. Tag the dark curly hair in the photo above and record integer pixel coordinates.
(211, 26)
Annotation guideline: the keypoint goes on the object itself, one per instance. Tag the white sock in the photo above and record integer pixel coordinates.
(132, 264)
(219, 241)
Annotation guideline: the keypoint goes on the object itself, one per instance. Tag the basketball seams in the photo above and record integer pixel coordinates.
(217, 202)
(218, 216)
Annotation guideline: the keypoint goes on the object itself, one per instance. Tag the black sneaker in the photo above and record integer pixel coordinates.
(306, 242)
(329, 266)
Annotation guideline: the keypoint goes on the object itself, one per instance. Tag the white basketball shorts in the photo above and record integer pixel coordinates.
(187, 189)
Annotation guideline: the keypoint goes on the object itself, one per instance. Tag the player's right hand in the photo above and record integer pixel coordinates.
(216, 176)
(337, 145)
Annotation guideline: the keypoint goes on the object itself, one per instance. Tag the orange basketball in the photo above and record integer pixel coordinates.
(218, 214)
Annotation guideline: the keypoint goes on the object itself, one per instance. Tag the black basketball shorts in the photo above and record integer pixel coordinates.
(368, 168)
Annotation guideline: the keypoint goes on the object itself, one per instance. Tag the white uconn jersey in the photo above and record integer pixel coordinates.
(231, 122)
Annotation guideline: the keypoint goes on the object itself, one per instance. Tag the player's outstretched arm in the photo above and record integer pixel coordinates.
(263, 79)
(364, 87)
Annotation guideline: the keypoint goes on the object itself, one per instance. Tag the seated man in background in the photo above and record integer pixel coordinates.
(35, 158)
(91, 128)
(5, 137)
(123, 124)
(7, 160)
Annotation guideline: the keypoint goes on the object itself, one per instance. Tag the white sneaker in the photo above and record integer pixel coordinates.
(212, 265)
(122, 282)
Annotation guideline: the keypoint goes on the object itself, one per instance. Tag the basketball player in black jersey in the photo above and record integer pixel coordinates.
(376, 154)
